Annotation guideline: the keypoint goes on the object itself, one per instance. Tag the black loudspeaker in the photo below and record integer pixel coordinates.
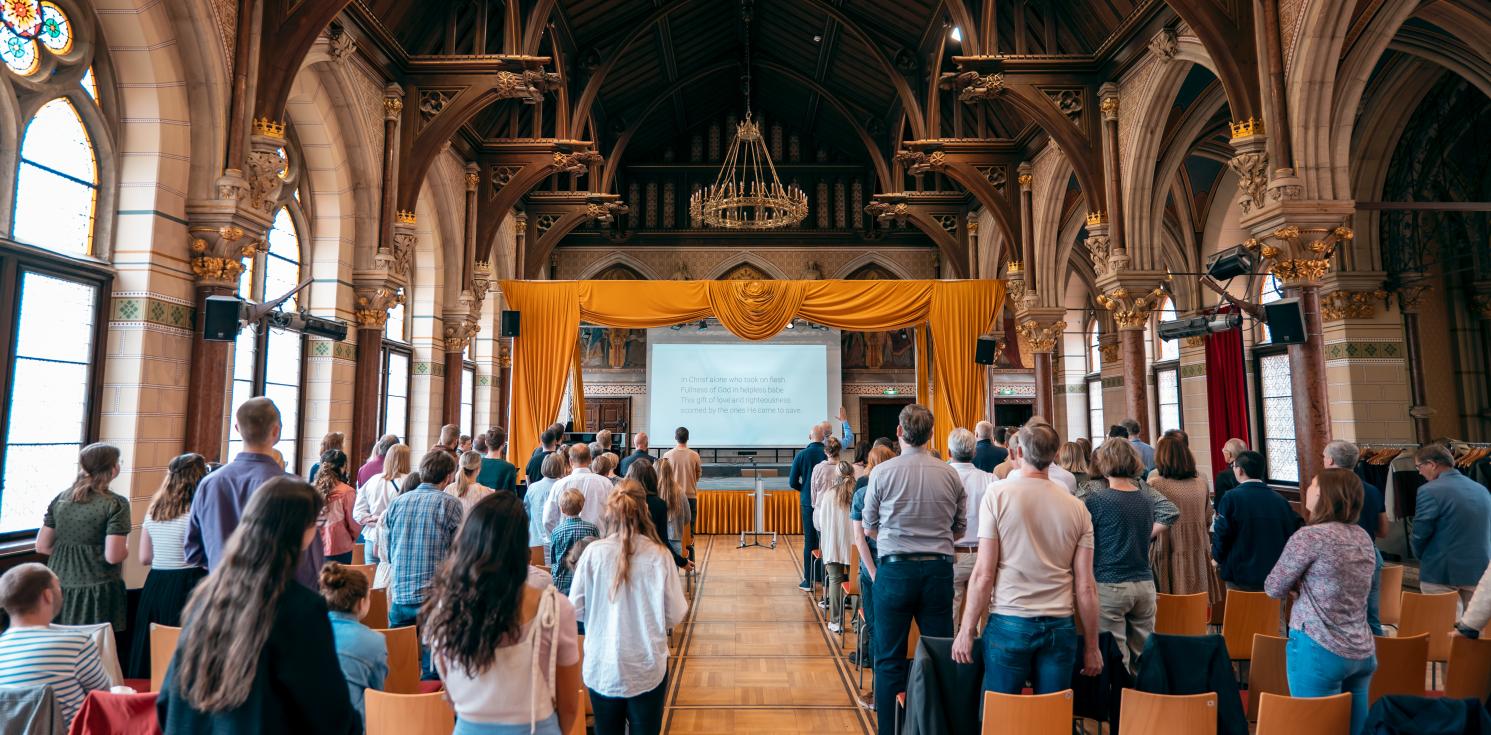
(1286, 322)
(510, 323)
(983, 352)
(220, 318)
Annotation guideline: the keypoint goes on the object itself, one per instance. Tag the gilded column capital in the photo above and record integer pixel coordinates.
(1040, 336)
(1108, 101)
(458, 332)
(1411, 294)
(1346, 304)
(473, 176)
(371, 302)
(393, 102)
(1131, 306)
(505, 353)
(1299, 256)
(1026, 178)
(217, 253)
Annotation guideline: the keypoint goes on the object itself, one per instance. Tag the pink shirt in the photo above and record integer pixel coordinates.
(338, 528)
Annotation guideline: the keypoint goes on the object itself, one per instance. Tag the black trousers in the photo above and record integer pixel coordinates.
(809, 543)
(643, 714)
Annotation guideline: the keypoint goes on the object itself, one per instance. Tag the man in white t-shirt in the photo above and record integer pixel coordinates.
(961, 449)
(595, 488)
(1035, 557)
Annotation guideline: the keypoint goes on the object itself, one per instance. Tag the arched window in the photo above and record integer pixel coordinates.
(275, 369)
(1094, 350)
(57, 182)
(398, 363)
(1275, 397)
(1095, 424)
(1166, 371)
(1166, 349)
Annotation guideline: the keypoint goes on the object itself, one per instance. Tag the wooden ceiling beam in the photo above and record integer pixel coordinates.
(826, 53)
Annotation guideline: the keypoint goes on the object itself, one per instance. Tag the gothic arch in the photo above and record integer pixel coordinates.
(615, 259)
(747, 259)
(870, 260)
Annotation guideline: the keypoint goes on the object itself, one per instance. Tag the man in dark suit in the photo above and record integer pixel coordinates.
(986, 454)
(1252, 525)
(1226, 480)
(801, 479)
(638, 452)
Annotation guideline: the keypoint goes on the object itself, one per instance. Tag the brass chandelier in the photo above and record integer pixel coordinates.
(743, 197)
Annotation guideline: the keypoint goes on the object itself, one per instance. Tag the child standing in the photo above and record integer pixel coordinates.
(831, 515)
(568, 533)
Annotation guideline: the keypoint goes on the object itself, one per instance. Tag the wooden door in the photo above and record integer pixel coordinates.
(878, 417)
(608, 413)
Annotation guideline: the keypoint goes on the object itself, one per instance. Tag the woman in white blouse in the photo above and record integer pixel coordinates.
(626, 592)
(375, 495)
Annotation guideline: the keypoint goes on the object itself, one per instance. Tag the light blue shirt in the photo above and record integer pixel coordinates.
(1452, 530)
(363, 655)
(848, 434)
(534, 500)
(1146, 453)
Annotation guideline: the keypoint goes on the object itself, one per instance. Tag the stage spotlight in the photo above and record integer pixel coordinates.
(1235, 261)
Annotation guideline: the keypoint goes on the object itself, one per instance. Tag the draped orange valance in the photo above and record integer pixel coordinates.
(956, 311)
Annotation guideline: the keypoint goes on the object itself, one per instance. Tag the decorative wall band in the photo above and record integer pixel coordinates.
(433, 369)
(1365, 350)
(1113, 382)
(337, 350)
(152, 310)
(1193, 371)
(879, 389)
(1013, 389)
(483, 380)
(1079, 388)
(615, 389)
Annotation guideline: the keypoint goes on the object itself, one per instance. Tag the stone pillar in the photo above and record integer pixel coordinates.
(971, 228)
(1132, 305)
(1410, 298)
(217, 255)
(450, 406)
(1041, 329)
(505, 384)
(376, 292)
(393, 107)
(520, 245)
(1112, 172)
(1027, 228)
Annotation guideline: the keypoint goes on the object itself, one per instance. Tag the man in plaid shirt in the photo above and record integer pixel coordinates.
(421, 525)
(569, 532)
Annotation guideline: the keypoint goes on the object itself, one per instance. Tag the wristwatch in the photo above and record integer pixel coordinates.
(1471, 633)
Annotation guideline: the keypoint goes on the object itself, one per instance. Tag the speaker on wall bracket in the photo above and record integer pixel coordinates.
(985, 350)
(510, 321)
(1286, 322)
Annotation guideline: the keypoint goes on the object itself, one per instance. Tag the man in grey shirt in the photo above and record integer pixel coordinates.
(914, 508)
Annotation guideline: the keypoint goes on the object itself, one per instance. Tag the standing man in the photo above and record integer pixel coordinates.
(450, 436)
(1035, 556)
(1252, 525)
(686, 468)
(1146, 452)
(547, 441)
(1451, 525)
(914, 508)
(222, 495)
(800, 479)
(986, 456)
(963, 457)
(639, 451)
(374, 465)
(595, 488)
(421, 525)
(496, 472)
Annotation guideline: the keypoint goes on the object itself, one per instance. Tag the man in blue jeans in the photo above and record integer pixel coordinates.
(1035, 557)
(914, 508)
(421, 526)
(801, 480)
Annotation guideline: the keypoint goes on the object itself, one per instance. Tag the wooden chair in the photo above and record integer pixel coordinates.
(536, 555)
(163, 640)
(687, 542)
(1468, 675)
(1400, 666)
(359, 555)
(1180, 614)
(850, 598)
(403, 660)
(1390, 595)
(1035, 714)
(1166, 714)
(368, 570)
(377, 616)
(1268, 674)
(1434, 615)
(1315, 715)
(1248, 614)
(408, 714)
(579, 727)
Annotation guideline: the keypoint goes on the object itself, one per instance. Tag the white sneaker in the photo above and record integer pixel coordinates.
(835, 628)
(823, 604)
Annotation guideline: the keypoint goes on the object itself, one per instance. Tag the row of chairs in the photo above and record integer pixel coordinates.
(1143, 713)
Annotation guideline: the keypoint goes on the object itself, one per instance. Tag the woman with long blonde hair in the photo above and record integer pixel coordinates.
(672, 493)
(84, 532)
(465, 488)
(627, 594)
(375, 495)
(835, 535)
(256, 653)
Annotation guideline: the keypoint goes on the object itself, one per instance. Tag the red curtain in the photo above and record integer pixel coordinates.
(1226, 392)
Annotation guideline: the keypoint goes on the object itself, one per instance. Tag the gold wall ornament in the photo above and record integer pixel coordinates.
(1195, 340)
(269, 128)
(1109, 107)
(1299, 256)
(1038, 337)
(404, 217)
(458, 336)
(1300, 270)
(1245, 128)
(1109, 352)
(1130, 310)
(392, 106)
(214, 270)
(1026, 180)
(372, 304)
(1344, 304)
(1096, 218)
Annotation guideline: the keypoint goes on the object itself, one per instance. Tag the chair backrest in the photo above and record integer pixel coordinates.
(163, 640)
(1400, 666)
(1038, 714)
(403, 660)
(408, 714)
(686, 538)
(1432, 614)
(359, 555)
(536, 555)
(1267, 673)
(853, 573)
(578, 728)
(1248, 614)
(1468, 675)
(368, 570)
(1279, 715)
(377, 616)
(1180, 614)
(1390, 594)
(912, 638)
(1168, 714)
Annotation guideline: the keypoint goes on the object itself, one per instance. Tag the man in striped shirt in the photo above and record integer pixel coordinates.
(33, 653)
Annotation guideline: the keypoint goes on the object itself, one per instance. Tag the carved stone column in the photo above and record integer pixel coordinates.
(971, 228)
(505, 382)
(1410, 298)
(1027, 226)
(1040, 329)
(217, 255)
(1131, 305)
(520, 251)
(1112, 173)
(1299, 256)
(459, 329)
(1250, 163)
(393, 107)
(375, 293)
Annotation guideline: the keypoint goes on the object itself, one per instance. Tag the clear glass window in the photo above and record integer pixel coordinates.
(57, 182)
(1096, 429)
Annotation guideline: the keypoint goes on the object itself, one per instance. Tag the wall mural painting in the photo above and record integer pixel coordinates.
(614, 349)
(879, 350)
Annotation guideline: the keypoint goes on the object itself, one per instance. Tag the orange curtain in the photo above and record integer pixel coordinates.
(956, 311)
(577, 388)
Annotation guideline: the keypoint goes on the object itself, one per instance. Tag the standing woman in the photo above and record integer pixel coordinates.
(85, 532)
(626, 592)
(1330, 563)
(834, 536)
(332, 440)
(339, 529)
(506, 649)
(257, 653)
(375, 495)
(679, 516)
(1182, 558)
(1074, 460)
(647, 476)
(465, 488)
(162, 537)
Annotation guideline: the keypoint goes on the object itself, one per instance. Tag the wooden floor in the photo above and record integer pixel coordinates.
(754, 656)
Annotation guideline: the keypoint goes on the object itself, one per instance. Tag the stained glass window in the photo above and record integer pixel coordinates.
(28, 25)
(1095, 431)
(20, 54)
(1167, 398)
(56, 30)
(48, 395)
(1277, 393)
(57, 184)
(90, 84)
